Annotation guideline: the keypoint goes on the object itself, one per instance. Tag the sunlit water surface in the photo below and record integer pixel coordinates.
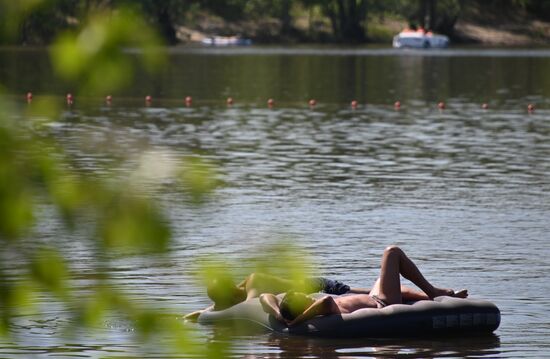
(465, 191)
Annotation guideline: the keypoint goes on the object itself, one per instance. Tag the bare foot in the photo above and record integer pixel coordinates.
(437, 292)
(463, 293)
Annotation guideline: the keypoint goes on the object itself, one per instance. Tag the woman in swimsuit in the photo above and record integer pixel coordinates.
(295, 307)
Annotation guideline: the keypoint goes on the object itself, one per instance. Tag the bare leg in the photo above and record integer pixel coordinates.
(407, 293)
(259, 283)
(395, 263)
(411, 294)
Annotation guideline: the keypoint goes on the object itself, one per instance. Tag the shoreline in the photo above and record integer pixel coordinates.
(532, 34)
(527, 33)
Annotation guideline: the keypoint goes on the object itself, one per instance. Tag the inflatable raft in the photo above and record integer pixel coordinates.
(442, 316)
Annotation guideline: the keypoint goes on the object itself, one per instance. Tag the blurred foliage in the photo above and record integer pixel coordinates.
(39, 21)
(283, 259)
(35, 173)
(292, 261)
(95, 56)
(198, 177)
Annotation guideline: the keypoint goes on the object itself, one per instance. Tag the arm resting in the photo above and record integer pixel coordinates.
(322, 306)
(270, 304)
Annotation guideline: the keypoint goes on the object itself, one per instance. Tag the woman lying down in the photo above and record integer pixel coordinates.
(295, 307)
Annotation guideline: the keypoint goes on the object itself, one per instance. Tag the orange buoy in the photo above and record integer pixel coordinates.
(188, 101)
(397, 105)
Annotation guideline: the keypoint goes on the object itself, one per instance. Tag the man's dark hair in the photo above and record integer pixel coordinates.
(293, 304)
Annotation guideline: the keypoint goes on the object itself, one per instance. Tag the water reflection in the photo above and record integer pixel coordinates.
(378, 76)
(278, 346)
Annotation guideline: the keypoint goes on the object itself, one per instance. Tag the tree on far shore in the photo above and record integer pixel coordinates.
(347, 20)
(347, 17)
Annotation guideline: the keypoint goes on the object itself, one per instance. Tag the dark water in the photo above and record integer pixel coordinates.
(465, 191)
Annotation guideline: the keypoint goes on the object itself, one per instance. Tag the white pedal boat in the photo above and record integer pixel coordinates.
(419, 40)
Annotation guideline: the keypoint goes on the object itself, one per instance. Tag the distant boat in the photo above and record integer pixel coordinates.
(420, 39)
(226, 40)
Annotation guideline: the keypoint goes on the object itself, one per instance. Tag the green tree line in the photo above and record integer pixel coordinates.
(348, 20)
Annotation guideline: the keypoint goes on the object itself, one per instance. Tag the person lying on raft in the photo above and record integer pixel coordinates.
(225, 293)
(295, 308)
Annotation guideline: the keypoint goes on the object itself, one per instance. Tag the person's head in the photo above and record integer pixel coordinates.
(224, 293)
(294, 304)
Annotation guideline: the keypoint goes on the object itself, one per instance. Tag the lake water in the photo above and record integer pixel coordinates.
(464, 191)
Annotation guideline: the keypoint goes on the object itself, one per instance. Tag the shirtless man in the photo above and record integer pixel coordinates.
(296, 308)
(225, 293)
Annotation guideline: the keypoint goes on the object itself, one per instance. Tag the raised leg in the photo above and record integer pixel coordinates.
(395, 263)
(409, 294)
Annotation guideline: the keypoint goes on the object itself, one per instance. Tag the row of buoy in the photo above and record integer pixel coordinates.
(270, 102)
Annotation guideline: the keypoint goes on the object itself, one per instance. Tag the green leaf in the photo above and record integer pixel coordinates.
(134, 225)
(49, 270)
(97, 57)
(198, 178)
